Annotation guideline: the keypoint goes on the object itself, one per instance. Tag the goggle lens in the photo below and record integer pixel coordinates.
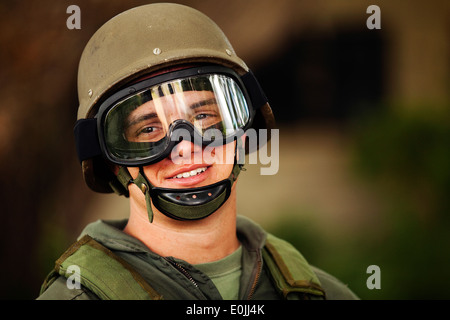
(138, 127)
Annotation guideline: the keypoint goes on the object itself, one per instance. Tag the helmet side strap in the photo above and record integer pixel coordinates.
(124, 177)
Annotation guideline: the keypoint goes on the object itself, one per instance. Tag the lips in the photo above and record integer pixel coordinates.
(190, 173)
(188, 176)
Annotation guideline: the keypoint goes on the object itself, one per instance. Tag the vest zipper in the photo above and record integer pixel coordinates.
(183, 271)
(255, 282)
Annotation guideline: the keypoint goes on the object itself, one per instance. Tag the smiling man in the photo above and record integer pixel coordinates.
(165, 105)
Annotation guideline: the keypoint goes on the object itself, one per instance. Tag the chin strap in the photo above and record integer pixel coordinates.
(184, 204)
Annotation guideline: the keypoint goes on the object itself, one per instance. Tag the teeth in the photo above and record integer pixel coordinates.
(190, 173)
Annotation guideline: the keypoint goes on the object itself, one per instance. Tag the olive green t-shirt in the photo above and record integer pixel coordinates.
(225, 274)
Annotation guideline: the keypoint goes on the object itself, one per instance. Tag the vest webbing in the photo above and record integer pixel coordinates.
(101, 271)
(290, 270)
(111, 278)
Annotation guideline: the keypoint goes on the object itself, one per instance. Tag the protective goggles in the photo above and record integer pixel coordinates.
(140, 124)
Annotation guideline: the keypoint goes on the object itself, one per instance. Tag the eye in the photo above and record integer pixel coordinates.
(202, 116)
(147, 133)
(147, 130)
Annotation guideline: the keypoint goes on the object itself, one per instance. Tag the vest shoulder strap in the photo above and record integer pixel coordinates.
(101, 271)
(290, 270)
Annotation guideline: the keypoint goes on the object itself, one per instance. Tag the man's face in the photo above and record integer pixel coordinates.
(189, 165)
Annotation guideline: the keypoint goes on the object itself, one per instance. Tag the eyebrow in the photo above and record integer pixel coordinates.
(140, 119)
(203, 103)
(152, 115)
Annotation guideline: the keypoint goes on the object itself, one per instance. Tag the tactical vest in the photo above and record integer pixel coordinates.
(111, 278)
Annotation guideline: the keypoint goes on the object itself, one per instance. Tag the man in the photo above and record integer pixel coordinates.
(165, 109)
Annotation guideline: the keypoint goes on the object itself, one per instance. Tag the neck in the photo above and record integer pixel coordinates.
(199, 241)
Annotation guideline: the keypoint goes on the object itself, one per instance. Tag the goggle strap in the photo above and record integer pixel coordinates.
(254, 90)
(86, 139)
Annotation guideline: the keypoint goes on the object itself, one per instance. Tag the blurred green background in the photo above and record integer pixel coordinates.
(364, 118)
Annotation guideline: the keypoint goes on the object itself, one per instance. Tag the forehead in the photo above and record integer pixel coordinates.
(180, 101)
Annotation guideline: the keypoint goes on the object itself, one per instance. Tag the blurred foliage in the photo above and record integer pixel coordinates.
(408, 154)
(406, 157)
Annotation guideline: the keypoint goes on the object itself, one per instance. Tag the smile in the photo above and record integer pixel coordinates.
(191, 173)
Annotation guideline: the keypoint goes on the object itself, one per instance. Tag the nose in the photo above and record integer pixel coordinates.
(184, 152)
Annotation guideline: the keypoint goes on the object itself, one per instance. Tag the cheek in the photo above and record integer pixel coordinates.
(133, 171)
(221, 172)
(150, 172)
(224, 161)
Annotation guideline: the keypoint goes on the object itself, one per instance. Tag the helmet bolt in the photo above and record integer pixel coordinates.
(90, 93)
(228, 51)
(156, 51)
(143, 188)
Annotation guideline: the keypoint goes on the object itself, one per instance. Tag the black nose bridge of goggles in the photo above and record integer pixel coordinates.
(182, 130)
(86, 131)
